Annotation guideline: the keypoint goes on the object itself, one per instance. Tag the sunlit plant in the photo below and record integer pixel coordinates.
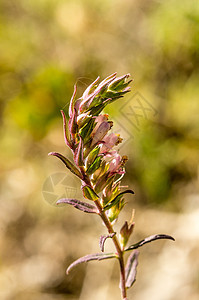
(100, 168)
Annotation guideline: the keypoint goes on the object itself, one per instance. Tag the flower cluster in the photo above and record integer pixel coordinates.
(88, 135)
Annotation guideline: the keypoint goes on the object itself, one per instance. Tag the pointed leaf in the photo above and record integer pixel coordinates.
(83, 206)
(131, 269)
(150, 239)
(86, 130)
(94, 166)
(102, 181)
(72, 124)
(103, 239)
(66, 131)
(72, 102)
(67, 163)
(117, 199)
(89, 88)
(89, 193)
(89, 257)
(87, 96)
(79, 160)
(92, 156)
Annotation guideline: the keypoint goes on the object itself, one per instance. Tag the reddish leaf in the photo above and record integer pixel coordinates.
(150, 239)
(67, 163)
(79, 160)
(66, 131)
(103, 239)
(83, 206)
(72, 102)
(89, 257)
(131, 269)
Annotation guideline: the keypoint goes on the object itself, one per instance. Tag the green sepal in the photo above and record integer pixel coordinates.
(113, 213)
(94, 166)
(96, 110)
(101, 182)
(92, 156)
(79, 160)
(84, 120)
(89, 193)
(67, 163)
(85, 131)
(116, 200)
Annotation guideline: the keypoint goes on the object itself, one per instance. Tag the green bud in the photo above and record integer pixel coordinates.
(92, 156)
(89, 193)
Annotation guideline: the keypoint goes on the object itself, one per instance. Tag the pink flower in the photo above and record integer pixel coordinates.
(115, 162)
(109, 141)
(101, 128)
(98, 121)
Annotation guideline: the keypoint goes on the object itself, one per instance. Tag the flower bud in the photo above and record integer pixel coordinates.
(126, 231)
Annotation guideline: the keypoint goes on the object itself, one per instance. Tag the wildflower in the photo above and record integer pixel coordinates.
(100, 168)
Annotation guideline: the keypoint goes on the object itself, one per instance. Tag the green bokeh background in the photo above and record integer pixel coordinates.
(47, 46)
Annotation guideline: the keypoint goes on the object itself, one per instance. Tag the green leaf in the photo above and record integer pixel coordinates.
(117, 199)
(94, 166)
(67, 163)
(85, 131)
(101, 182)
(92, 156)
(89, 193)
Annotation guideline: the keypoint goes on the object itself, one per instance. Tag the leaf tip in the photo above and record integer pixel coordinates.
(68, 271)
(51, 153)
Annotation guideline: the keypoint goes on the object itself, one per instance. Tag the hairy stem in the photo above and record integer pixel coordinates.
(114, 238)
(118, 249)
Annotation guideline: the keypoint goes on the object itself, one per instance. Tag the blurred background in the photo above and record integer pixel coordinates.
(46, 47)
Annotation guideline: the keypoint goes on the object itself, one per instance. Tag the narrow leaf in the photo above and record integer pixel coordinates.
(86, 130)
(72, 124)
(79, 153)
(83, 206)
(72, 102)
(103, 239)
(67, 163)
(89, 193)
(66, 131)
(150, 239)
(94, 166)
(92, 156)
(89, 257)
(131, 269)
(117, 199)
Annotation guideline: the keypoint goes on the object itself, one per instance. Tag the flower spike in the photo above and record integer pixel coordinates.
(100, 167)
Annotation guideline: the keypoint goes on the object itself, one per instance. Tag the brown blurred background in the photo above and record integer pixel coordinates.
(46, 46)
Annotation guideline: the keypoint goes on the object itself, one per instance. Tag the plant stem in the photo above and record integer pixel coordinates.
(114, 238)
(118, 248)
